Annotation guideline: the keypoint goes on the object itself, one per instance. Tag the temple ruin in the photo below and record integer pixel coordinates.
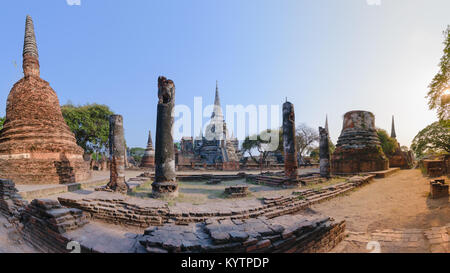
(36, 145)
(324, 152)
(117, 155)
(400, 159)
(358, 148)
(290, 149)
(165, 184)
(148, 160)
(216, 148)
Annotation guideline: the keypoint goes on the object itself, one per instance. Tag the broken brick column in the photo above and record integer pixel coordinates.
(290, 150)
(117, 155)
(165, 184)
(324, 153)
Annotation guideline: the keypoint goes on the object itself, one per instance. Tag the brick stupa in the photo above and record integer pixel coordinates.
(358, 148)
(148, 160)
(36, 145)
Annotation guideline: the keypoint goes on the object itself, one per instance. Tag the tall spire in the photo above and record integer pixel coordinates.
(217, 98)
(30, 52)
(217, 113)
(326, 124)
(393, 134)
(149, 141)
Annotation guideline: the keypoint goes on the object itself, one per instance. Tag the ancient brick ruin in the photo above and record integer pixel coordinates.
(36, 145)
(117, 155)
(439, 189)
(148, 160)
(165, 184)
(324, 152)
(285, 234)
(237, 191)
(45, 224)
(400, 159)
(290, 149)
(215, 149)
(358, 148)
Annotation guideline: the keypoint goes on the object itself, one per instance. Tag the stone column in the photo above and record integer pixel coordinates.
(324, 152)
(117, 155)
(165, 184)
(290, 150)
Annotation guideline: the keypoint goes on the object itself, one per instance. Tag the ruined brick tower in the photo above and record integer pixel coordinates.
(36, 145)
(148, 160)
(358, 148)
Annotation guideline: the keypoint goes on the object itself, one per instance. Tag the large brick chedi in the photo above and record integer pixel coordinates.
(290, 150)
(148, 160)
(36, 145)
(358, 148)
(117, 155)
(165, 184)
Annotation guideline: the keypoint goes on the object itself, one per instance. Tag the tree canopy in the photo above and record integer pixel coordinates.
(434, 139)
(439, 89)
(306, 137)
(90, 124)
(2, 120)
(261, 144)
(137, 153)
(388, 144)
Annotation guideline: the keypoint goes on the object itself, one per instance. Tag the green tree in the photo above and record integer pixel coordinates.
(2, 121)
(331, 146)
(388, 144)
(90, 124)
(315, 153)
(434, 139)
(439, 93)
(261, 144)
(137, 153)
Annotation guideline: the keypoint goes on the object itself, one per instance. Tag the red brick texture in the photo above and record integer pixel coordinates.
(36, 145)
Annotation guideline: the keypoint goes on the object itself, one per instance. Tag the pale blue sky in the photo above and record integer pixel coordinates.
(326, 56)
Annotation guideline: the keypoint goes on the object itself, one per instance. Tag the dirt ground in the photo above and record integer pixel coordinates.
(399, 201)
(10, 241)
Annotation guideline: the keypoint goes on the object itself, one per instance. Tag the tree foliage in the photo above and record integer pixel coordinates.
(435, 138)
(439, 89)
(388, 144)
(90, 124)
(306, 137)
(261, 144)
(137, 153)
(2, 121)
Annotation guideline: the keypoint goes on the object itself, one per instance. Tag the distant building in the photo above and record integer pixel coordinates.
(215, 146)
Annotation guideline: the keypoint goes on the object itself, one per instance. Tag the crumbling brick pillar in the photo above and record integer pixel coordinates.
(290, 150)
(117, 155)
(165, 184)
(324, 153)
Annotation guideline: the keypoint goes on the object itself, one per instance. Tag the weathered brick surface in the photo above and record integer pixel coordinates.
(36, 145)
(45, 223)
(126, 210)
(237, 191)
(439, 189)
(292, 233)
(11, 203)
(358, 148)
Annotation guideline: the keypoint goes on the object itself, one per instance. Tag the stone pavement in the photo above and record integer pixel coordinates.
(433, 240)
